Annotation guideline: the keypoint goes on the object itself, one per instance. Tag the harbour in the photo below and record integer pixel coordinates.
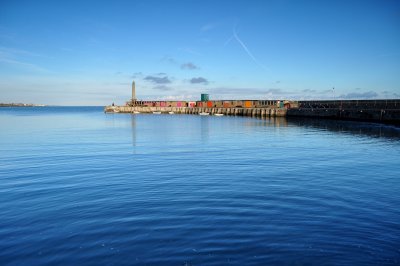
(379, 111)
(199, 133)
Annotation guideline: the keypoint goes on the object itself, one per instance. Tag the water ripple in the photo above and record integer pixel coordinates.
(189, 190)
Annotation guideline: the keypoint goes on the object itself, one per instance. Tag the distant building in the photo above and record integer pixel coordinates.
(205, 97)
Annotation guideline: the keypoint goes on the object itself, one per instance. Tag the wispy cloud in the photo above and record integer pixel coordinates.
(244, 91)
(162, 88)
(360, 95)
(19, 58)
(158, 80)
(228, 40)
(168, 59)
(189, 66)
(190, 51)
(21, 64)
(137, 75)
(208, 27)
(309, 91)
(244, 46)
(199, 80)
(14, 52)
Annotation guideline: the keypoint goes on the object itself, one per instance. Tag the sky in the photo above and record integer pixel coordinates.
(88, 52)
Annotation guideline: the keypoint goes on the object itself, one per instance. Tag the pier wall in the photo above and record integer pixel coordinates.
(256, 112)
(383, 111)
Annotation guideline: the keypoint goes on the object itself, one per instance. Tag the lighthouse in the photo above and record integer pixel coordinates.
(133, 92)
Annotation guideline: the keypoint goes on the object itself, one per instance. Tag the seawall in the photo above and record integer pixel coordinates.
(382, 111)
(256, 112)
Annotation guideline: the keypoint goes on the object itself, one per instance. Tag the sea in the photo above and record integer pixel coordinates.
(82, 187)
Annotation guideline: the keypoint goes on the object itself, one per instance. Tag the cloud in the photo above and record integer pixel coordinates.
(158, 80)
(390, 94)
(170, 60)
(244, 46)
(208, 27)
(190, 51)
(199, 80)
(244, 91)
(236, 91)
(23, 65)
(20, 59)
(309, 90)
(136, 75)
(189, 66)
(13, 51)
(357, 95)
(162, 88)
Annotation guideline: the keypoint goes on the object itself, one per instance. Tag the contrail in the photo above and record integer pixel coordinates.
(246, 49)
(228, 41)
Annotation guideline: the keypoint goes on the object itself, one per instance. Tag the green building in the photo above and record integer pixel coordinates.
(205, 97)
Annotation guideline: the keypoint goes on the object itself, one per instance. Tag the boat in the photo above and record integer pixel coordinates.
(157, 113)
(218, 114)
(136, 112)
(171, 113)
(204, 113)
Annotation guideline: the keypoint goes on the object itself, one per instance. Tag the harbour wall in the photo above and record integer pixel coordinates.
(256, 112)
(382, 111)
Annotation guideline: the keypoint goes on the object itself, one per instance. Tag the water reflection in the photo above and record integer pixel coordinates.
(133, 130)
(349, 127)
(204, 128)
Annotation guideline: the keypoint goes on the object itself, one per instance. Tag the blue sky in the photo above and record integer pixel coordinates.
(88, 52)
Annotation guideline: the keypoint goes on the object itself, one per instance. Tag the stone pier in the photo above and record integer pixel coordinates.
(252, 112)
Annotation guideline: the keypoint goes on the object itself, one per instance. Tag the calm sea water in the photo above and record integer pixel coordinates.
(80, 187)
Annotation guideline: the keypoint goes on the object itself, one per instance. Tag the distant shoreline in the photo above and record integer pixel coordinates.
(20, 105)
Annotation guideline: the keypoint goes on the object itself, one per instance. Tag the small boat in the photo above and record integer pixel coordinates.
(136, 112)
(218, 114)
(157, 113)
(171, 113)
(204, 113)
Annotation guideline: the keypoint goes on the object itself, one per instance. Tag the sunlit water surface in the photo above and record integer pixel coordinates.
(80, 187)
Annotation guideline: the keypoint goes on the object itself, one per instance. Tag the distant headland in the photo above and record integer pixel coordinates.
(21, 105)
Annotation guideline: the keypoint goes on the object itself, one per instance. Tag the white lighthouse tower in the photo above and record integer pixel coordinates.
(133, 92)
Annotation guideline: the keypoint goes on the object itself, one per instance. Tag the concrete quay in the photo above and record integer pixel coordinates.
(255, 112)
(381, 111)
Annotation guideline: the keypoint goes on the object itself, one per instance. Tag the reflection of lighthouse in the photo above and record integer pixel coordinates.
(133, 92)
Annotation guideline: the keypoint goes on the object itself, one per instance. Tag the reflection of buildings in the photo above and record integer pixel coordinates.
(267, 121)
(279, 121)
(204, 128)
(348, 127)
